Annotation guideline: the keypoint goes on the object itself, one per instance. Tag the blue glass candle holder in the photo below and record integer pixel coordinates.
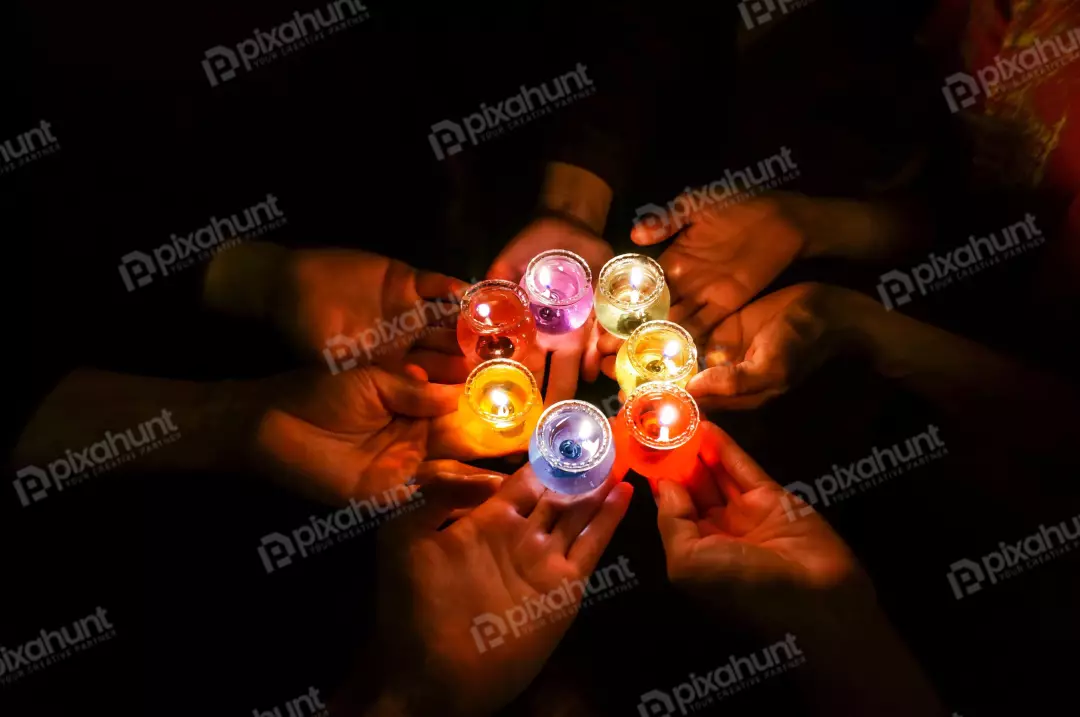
(572, 449)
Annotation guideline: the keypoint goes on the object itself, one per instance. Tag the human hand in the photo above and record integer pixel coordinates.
(766, 347)
(730, 541)
(356, 434)
(436, 587)
(347, 307)
(726, 255)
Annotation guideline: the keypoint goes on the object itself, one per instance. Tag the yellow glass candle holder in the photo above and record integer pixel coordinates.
(656, 351)
(630, 291)
(501, 405)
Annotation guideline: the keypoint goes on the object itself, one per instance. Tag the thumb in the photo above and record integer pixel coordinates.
(656, 224)
(676, 517)
(409, 396)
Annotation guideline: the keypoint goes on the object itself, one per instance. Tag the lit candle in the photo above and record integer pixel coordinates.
(559, 286)
(656, 351)
(657, 431)
(572, 450)
(630, 291)
(495, 322)
(500, 406)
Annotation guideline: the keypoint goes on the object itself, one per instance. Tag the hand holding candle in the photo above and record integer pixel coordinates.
(572, 450)
(559, 286)
(630, 291)
(501, 405)
(495, 323)
(656, 351)
(657, 432)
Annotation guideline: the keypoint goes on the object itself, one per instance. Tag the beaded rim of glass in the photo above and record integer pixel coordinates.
(470, 294)
(639, 334)
(534, 290)
(604, 283)
(660, 387)
(534, 390)
(550, 453)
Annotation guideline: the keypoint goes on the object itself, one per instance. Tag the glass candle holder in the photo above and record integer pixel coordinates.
(559, 285)
(495, 322)
(656, 351)
(658, 431)
(630, 291)
(500, 405)
(572, 450)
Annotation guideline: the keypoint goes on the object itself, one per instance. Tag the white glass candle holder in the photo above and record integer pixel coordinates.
(631, 290)
(572, 450)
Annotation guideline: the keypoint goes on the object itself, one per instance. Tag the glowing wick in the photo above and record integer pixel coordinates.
(545, 279)
(500, 401)
(483, 310)
(668, 415)
(636, 277)
(671, 350)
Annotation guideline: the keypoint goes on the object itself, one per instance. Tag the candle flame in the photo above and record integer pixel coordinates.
(483, 310)
(671, 349)
(499, 398)
(545, 277)
(668, 415)
(636, 276)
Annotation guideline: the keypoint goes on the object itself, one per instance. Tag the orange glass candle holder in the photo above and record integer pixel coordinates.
(657, 431)
(495, 322)
(501, 405)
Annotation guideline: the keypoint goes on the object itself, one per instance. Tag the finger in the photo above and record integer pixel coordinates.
(563, 377)
(703, 485)
(741, 379)
(676, 517)
(419, 399)
(577, 515)
(752, 402)
(590, 544)
(590, 361)
(608, 344)
(439, 367)
(520, 493)
(704, 321)
(719, 451)
(443, 340)
(543, 516)
(432, 285)
(445, 493)
(429, 470)
(416, 373)
(682, 310)
(607, 367)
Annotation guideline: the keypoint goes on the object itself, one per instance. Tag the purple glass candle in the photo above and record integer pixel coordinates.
(572, 449)
(559, 285)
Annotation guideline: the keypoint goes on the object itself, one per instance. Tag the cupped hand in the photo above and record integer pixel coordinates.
(449, 597)
(730, 540)
(770, 345)
(725, 255)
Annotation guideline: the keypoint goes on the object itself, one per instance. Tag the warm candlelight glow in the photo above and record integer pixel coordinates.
(501, 393)
(559, 287)
(495, 322)
(631, 290)
(656, 351)
(572, 450)
(657, 431)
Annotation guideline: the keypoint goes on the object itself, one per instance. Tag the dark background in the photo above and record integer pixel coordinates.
(338, 132)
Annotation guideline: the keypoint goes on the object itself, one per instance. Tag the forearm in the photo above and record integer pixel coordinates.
(242, 281)
(576, 193)
(134, 421)
(865, 231)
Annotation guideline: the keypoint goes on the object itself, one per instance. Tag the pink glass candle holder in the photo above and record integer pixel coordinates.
(572, 449)
(559, 285)
(495, 322)
(658, 431)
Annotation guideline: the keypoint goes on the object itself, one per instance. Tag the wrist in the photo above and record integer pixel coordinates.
(244, 281)
(839, 228)
(577, 195)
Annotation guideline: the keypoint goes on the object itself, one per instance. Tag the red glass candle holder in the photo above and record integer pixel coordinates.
(657, 431)
(495, 323)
